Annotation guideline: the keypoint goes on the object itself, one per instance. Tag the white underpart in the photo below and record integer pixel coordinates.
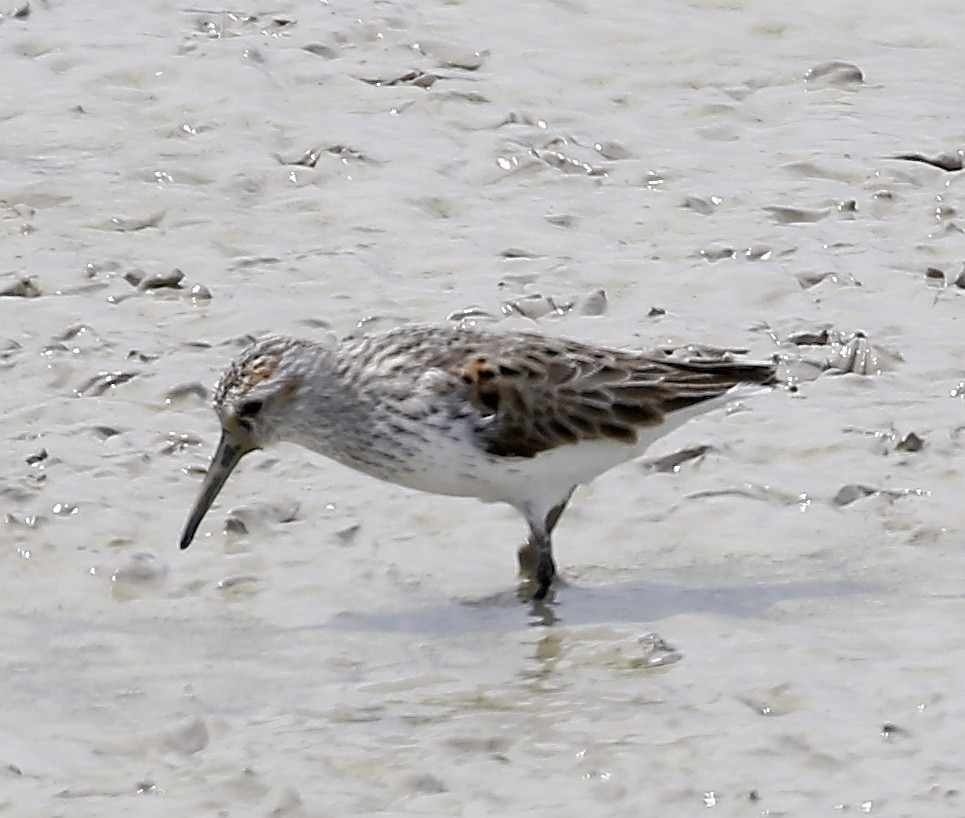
(453, 465)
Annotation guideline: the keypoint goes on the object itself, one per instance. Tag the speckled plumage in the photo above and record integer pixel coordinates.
(515, 417)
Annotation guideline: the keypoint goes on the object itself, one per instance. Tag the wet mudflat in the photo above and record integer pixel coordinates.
(765, 624)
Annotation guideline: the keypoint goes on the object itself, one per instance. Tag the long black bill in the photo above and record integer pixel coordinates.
(229, 452)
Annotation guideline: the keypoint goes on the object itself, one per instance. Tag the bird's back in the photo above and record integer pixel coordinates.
(525, 393)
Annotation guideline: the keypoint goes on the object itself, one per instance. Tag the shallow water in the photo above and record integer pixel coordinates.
(772, 628)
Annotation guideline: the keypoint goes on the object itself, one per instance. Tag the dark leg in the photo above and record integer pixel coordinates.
(556, 512)
(545, 567)
(528, 556)
(536, 556)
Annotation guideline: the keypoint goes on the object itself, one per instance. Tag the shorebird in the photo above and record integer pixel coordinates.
(504, 416)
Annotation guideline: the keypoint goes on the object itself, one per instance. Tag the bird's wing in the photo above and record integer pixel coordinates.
(533, 394)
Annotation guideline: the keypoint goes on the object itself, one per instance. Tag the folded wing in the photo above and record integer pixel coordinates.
(532, 397)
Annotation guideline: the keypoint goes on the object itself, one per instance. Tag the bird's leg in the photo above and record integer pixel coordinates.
(545, 567)
(528, 555)
(536, 555)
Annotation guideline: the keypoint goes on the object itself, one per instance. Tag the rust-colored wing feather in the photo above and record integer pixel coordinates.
(535, 394)
(529, 393)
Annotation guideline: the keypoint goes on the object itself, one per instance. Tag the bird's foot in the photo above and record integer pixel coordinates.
(527, 593)
(528, 555)
(545, 572)
(537, 583)
(537, 569)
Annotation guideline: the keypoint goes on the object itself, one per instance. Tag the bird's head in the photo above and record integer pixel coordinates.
(252, 399)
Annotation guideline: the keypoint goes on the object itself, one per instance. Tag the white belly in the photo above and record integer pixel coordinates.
(455, 466)
(447, 461)
(458, 468)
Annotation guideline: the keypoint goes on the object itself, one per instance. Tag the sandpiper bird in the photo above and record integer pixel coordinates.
(507, 416)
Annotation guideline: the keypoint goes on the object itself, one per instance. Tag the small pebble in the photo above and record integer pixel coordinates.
(22, 288)
(851, 493)
(910, 443)
(199, 293)
(832, 73)
(934, 277)
(593, 303)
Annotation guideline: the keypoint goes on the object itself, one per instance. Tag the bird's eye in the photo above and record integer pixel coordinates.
(250, 408)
